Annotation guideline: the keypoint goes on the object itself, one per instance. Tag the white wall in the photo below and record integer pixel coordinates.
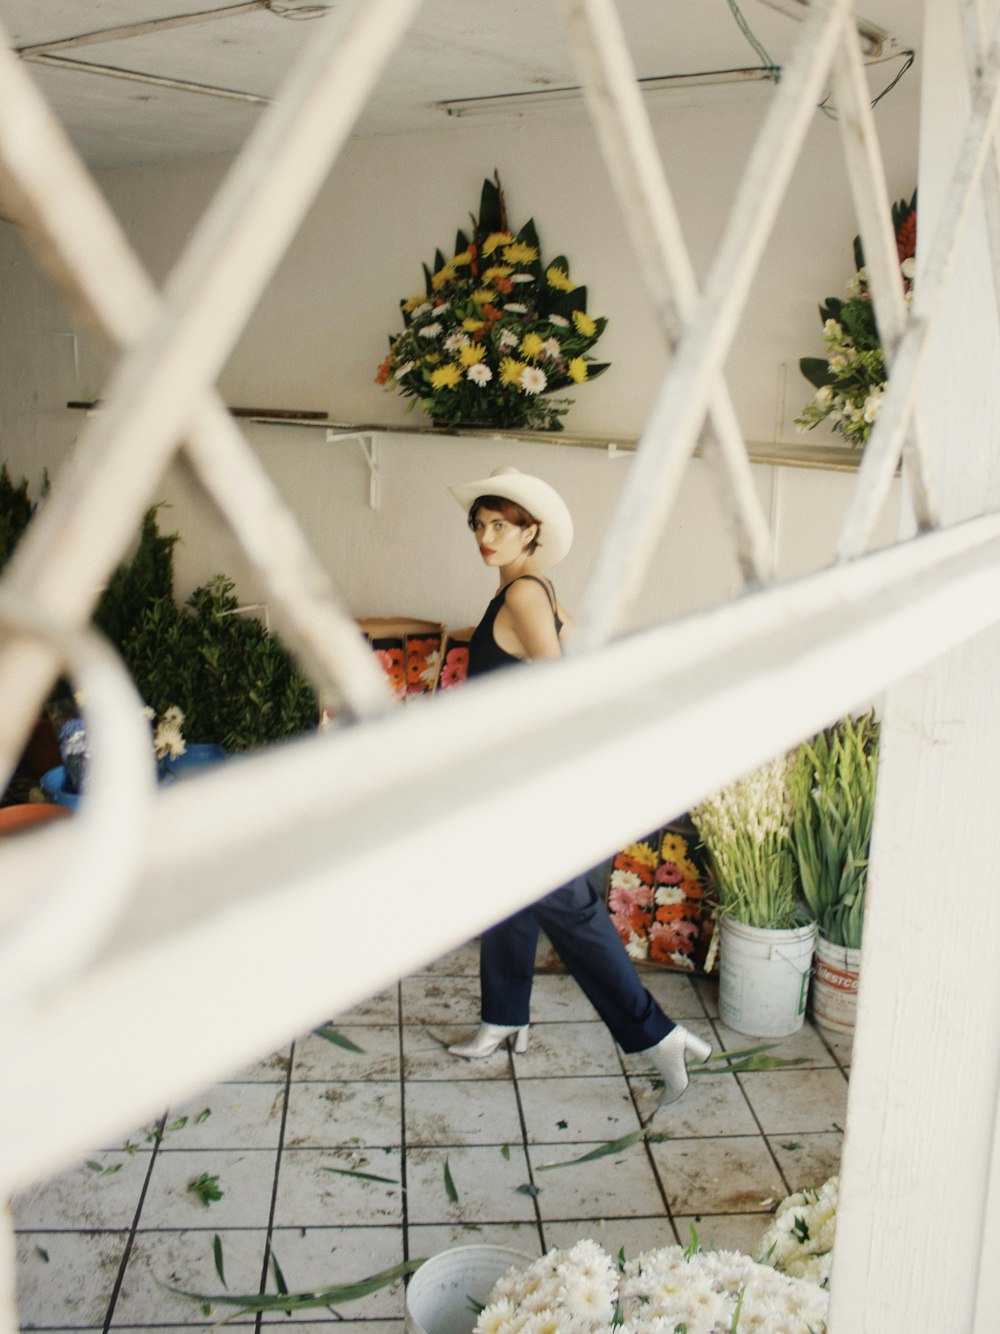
(321, 329)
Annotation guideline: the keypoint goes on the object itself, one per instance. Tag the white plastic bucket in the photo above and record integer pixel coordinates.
(440, 1294)
(764, 978)
(835, 986)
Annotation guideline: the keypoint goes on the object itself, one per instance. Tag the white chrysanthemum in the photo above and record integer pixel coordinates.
(823, 396)
(405, 369)
(552, 348)
(533, 380)
(559, 321)
(456, 340)
(909, 268)
(495, 1318)
(479, 374)
(625, 880)
(521, 278)
(586, 1298)
(430, 330)
(508, 339)
(516, 308)
(425, 309)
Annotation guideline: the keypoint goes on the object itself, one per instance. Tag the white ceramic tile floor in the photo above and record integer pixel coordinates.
(333, 1160)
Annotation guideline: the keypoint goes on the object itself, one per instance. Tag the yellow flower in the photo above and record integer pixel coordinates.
(413, 303)
(510, 371)
(464, 258)
(445, 275)
(532, 344)
(483, 296)
(446, 377)
(471, 353)
(642, 852)
(519, 253)
(432, 358)
(584, 324)
(577, 370)
(673, 848)
(497, 271)
(558, 277)
(493, 240)
(470, 326)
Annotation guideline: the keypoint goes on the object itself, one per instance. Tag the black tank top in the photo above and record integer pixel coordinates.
(485, 654)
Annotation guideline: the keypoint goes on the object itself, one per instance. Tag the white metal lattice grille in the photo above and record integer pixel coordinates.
(185, 883)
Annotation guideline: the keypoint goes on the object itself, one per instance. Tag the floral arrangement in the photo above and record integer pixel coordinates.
(74, 744)
(850, 381)
(658, 1292)
(495, 331)
(834, 798)
(746, 830)
(656, 895)
(799, 1239)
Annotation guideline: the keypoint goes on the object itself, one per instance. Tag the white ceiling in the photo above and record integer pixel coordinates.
(162, 79)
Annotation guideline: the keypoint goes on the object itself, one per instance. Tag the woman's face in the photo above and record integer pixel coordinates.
(500, 542)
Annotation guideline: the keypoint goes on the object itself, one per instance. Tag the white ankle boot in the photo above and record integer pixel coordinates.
(488, 1038)
(670, 1058)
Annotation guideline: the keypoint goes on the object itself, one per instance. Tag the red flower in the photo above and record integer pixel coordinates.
(384, 371)
(906, 237)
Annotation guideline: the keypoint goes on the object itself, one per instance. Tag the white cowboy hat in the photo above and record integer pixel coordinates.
(541, 501)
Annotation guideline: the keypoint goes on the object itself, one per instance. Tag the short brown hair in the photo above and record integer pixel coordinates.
(511, 511)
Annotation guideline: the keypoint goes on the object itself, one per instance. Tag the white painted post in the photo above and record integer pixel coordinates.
(918, 1206)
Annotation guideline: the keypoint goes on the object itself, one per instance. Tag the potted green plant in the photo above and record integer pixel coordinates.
(833, 783)
(766, 940)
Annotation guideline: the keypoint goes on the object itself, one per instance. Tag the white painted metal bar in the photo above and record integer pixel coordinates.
(115, 517)
(630, 154)
(975, 33)
(73, 911)
(888, 439)
(873, 206)
(232, 869)
(77, 239)
(681, 405)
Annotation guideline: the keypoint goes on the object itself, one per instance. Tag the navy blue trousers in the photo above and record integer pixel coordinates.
(579, 928)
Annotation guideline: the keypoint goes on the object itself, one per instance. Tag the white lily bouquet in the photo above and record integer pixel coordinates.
(581, 1290)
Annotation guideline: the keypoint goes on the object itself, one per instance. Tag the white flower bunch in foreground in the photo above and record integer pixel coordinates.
(799, 1239)
(582, 1291)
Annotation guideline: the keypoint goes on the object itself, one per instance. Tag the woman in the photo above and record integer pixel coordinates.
(520, 525)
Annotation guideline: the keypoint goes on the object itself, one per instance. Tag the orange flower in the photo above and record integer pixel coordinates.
(623, 862)
(670, 912)
(384, 371)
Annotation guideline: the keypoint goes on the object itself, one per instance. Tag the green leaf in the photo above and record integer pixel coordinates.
(279, 1280)
(94, 1166)
(42, 1253)
(206, 1188)
(505, 1151)
(203, 1116)
(364, 1176)
(613, 1146)
(694, 1243)
(338, 1039)
(528, 1189)
(303, 1301)
(219, 1266)
(179, 1124)
(449, 1184)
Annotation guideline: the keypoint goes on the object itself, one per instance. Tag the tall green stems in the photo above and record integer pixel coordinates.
(833, 784)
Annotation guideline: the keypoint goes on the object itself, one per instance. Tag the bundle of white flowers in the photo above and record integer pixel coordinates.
(168, 740)
(583, 1291)
(799, 1239)
(746, 829)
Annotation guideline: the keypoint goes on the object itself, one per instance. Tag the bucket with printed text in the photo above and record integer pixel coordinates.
(835, 986)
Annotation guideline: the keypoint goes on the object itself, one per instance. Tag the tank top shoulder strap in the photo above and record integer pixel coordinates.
(548, 591)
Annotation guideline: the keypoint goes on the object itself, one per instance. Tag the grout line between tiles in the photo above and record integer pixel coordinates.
(404, 1207)
(126, 1256)
(274, 1184)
